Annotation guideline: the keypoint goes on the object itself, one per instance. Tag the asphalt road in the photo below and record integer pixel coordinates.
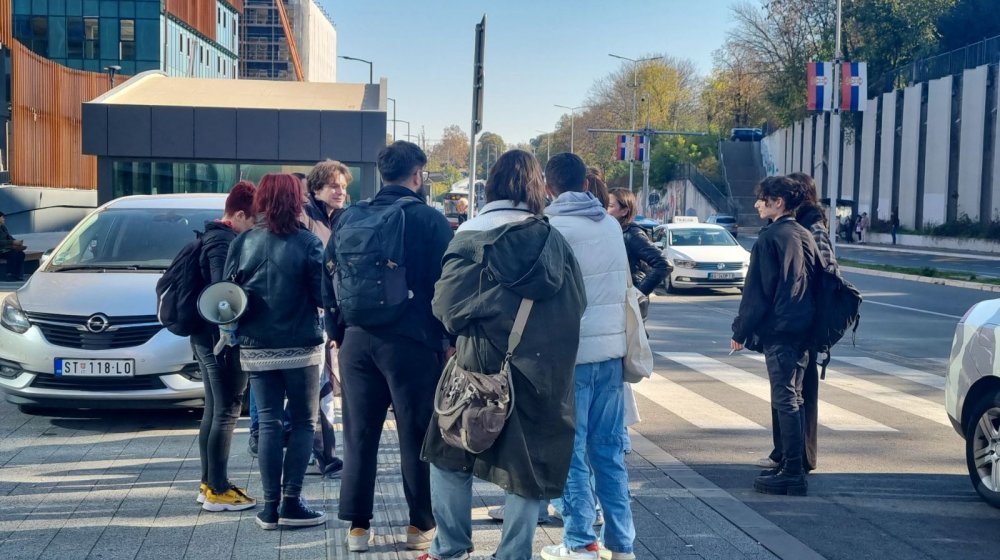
(891, 481)
(982, 267)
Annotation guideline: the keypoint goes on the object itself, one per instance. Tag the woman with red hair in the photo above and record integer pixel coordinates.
(279, 264)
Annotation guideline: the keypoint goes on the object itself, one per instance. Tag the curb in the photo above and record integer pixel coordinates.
(770, 536)
(925, 279)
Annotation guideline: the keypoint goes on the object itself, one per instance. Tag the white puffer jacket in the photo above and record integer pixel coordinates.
(597, 242)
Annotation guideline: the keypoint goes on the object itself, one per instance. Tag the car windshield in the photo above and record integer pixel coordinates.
(700, 236)
(129, 239)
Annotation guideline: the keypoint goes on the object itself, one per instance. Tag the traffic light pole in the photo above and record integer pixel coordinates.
(649, 133)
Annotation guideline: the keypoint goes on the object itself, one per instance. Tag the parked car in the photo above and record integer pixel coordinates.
(972, 395)
(726, 221)
(746, 135)
(702, 256)
(83, 332)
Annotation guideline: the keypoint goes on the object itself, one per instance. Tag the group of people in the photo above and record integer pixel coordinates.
(775, 315)
(851, 227)
(561, 241)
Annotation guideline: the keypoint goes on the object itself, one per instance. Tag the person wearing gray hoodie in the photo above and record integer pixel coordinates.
(597, 243)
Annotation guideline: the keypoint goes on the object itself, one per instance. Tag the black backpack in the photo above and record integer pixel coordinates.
(370, 275)
(838, 310)
(178, 289)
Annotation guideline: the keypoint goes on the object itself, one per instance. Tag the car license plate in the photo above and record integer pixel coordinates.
(94, 368)
(721, 275)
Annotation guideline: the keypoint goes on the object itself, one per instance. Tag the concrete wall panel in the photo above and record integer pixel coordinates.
(970, 161)
(867, 179)
(886, 167)
(909, 155)
(807, 145)
(939, 100)
(847, 168)
(819, 155)
(995, 186)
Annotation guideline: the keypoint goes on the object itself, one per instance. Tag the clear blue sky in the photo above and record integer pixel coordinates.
(538, 53)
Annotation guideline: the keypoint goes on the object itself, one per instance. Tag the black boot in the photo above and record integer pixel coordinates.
(267, 518)
(790, 480)
(294, 512)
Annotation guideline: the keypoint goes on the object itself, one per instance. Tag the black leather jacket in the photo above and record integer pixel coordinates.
(649, 268)
(281, 275)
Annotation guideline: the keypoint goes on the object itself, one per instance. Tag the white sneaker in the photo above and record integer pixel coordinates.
(766, 463)
(358, 540)
(561, 552)
(608, 555)
(417, 539)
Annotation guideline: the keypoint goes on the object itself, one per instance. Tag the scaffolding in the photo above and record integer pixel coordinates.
(265, 51)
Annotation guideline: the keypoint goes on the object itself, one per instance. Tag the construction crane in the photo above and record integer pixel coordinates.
(290, 36)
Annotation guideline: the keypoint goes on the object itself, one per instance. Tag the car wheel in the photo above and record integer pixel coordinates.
(982, 448)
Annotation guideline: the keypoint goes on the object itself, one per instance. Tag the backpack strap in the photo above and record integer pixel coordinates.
(823, 363)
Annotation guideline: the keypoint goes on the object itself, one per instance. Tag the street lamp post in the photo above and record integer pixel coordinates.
(407, 123)
(548, 144)
(112, 70)
(572, 129)
(635, 94)
(393, 118)
(368, 62)
(835, 138)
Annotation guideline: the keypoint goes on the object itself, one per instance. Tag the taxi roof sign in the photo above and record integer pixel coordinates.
(684, 220)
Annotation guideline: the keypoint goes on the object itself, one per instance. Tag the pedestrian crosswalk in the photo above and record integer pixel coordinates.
(871, 379)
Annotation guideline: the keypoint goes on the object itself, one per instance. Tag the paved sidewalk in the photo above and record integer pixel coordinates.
(121, 485)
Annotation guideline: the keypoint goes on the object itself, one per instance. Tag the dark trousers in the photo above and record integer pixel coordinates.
(225, 382)
(786, 366)
(810, 417)
(377, 371)
(15, 262)
(283, 476)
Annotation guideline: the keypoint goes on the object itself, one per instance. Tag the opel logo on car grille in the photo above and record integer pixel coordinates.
(721, 266)
(97, 323)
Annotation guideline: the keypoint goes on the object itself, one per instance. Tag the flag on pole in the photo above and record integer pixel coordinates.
(853, 86)
(621, 151)
(819, 96)
(640, 148)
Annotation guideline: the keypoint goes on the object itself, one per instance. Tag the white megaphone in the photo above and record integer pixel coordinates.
(223, 303)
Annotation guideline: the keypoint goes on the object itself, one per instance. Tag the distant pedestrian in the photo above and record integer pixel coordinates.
(894, 224)
(225, 381)
(12, 251)
(279, 264)
(527, 258)
(600, 402)
(646, 264)
(862, 227)
(392, 352)
(775, 313)
(462, 207)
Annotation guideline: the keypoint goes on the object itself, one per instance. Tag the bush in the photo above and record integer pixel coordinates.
(965, 227)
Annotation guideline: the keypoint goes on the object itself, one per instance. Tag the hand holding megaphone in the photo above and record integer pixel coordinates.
(223, 303)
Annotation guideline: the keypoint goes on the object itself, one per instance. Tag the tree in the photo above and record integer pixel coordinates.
(452, 149)
(491, 145)
(967, 22)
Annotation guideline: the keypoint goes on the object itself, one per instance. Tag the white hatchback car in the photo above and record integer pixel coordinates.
(83, 332)
(702, 256)
(972, 395)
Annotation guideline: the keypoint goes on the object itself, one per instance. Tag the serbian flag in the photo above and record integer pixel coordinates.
(819, 96)
(621, 151)
(640, 147)
(853, 86)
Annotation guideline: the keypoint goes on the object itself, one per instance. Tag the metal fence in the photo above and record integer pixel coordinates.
(986, 51)
(721, 202)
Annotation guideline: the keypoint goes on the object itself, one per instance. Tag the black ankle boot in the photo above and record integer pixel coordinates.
(295, 513)
(789, 480)
(267, 517)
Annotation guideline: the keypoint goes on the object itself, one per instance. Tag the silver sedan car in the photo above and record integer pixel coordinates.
(972, 395)
(83, 332)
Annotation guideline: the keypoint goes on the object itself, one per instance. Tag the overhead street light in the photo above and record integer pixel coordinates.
(635, 91)
(112, 70)
(393, 118)
(407, 123)
(368, 62)
(572, 130)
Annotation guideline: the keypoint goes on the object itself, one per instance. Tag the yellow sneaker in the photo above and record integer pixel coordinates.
(234, 499)
(202, 490)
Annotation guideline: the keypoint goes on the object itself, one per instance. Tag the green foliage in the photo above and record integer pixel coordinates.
(966, 228)
(671, 151)
(969, 21)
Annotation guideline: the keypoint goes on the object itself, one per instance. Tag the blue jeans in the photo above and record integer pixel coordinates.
(282, 474)
(451, 503)
(599, 445)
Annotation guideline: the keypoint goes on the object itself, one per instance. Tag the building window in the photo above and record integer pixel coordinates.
(74, 37)
(33, 32)
(91, 38)
(126, 39)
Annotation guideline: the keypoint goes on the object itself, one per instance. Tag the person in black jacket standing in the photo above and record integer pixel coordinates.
(224, 380)
(775, 314)
(649, 268)
(280, 266)
(397, 363)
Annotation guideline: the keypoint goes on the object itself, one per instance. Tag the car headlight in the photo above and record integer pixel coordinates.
(12, 317)
(685, 264)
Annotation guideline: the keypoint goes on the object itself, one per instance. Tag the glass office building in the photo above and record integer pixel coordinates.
(137, 35)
